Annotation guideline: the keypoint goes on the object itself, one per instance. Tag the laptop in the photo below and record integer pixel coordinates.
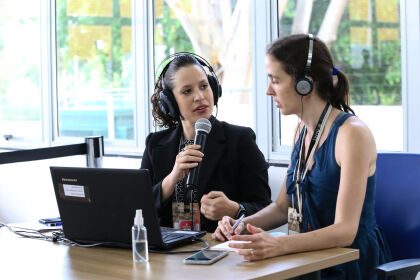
(98, 205)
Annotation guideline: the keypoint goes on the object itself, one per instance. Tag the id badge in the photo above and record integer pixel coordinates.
(182, 216)
(293, 221)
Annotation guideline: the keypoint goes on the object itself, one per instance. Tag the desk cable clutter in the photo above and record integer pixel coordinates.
(56, 235)
(42, 234)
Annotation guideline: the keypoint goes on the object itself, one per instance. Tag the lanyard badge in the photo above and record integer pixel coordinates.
(294, 219)
(295, 216)
(185, 219)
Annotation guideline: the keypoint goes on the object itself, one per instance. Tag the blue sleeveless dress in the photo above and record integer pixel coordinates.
(319, 194)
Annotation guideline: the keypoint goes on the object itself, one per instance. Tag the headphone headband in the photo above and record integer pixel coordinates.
(199, 58)
(310, 51)
(166, 99)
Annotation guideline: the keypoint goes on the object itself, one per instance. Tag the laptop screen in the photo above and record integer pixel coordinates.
(99, 204)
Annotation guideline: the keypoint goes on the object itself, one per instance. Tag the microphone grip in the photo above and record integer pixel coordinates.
(192, 178)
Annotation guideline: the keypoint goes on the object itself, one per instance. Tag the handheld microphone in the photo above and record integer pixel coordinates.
(202, 129)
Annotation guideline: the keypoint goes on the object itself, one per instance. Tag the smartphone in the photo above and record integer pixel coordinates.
(51, 222)
(206, 257)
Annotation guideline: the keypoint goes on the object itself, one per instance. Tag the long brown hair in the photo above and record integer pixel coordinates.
(292, 52)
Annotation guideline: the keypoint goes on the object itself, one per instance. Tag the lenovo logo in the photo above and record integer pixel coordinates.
(68, 180)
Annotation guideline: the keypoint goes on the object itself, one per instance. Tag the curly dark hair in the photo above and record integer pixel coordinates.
(166, 81)
(292, 52)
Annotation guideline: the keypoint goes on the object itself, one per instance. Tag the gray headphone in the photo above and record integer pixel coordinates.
(304, 85)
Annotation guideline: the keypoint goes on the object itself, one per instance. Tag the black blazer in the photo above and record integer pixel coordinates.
(232, 163)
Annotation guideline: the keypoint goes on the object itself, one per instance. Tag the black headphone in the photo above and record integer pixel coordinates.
(304, 85)
(166, 100)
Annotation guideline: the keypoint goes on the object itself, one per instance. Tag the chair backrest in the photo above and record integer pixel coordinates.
(398, 202)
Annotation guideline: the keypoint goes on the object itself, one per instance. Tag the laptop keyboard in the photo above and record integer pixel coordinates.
(171, 236)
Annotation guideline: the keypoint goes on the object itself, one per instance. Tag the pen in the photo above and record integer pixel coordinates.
(236, 224)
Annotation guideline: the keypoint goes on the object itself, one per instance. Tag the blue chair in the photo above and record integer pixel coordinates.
(398, 212)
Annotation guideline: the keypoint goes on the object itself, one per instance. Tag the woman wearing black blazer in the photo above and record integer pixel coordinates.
(233, 178)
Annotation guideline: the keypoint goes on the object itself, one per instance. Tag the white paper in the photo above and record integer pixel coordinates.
(225, 245)
(277, 233)
(185, 232)
(74, 190)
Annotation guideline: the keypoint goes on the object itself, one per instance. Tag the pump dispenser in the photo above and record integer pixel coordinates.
(139, 238)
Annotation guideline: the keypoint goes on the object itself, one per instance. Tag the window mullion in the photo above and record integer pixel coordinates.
(47, 80)
(410, 45)
(143, 78)
(262, 21)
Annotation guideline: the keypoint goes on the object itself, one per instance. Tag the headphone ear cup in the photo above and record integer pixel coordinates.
(162, 103)
(215, 87)
(303, 86)
(167, 103)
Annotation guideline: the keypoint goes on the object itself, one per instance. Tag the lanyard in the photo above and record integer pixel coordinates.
(299, 174)
(187, 196)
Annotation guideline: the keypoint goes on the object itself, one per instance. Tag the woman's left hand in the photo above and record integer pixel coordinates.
(216, 204)
(260, 245)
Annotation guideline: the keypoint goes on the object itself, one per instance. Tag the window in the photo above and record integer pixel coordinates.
(20, 71)
(219, 31)
(76, 68)
(364, 38)
(95, 69)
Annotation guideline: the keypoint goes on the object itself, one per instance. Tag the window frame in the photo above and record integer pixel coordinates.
(140, 34)
(268, 120)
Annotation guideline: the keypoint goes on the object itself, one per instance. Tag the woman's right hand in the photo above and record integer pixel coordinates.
(224, 230)
(185, 160)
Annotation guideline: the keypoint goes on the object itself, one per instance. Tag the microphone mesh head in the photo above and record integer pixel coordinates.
(203, 125)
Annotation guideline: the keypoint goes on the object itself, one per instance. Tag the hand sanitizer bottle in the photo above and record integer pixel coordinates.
(139, 237)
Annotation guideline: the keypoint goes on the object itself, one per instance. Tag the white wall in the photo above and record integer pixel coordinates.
(276, 176)
(26, 190)
(27, 194)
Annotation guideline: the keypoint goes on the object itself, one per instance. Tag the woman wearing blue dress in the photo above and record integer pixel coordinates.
(329, 192)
